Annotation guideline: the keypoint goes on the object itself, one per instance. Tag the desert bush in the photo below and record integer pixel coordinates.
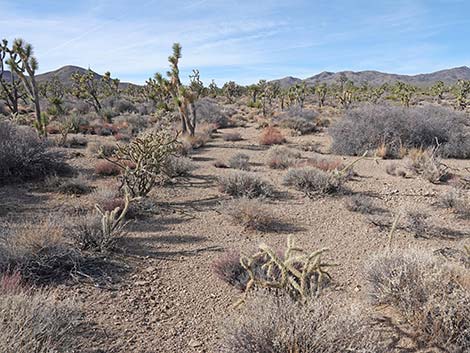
(239, 161)
(428, 165)
(199, 140)
(39, 252)
(245, 184)
(209, 111)
(106, 168)
(249, 213)
(362, 204)
(69, 186)
(457, 200)
(143, 160)
(370, 126)
(124, 106)
(176, 166)
(3, 109)
(281, 325)
(302, 121)
(24, 156)
(395, 170)
(280, 157)
(101, 150)
(35, 321)
(271, 136)
(134, 123)
(323, 164)
(76, 142)
(432, 297)
(233, 136)
(417, 222)
(313, 182)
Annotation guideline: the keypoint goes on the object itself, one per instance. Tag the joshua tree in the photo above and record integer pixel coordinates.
(11, 91)
(231, 90)
(54, 91)
(438, 90)
(23, 63)
(92, 90)
(214, 91)
(321, 91)
(461, 91)
(404, 92)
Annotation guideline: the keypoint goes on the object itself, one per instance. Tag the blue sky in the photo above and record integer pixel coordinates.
(243, 40)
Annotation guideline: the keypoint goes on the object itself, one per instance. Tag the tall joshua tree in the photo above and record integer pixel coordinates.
(10, 89)
(24, 64)
(184, 98)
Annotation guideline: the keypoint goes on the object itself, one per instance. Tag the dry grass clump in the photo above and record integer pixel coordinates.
(282, 325)
(394, 129)
(249, 213)
(24, 156)
(322, 164)
(40, 252)
(232, 136)
(417, 222)
(69, 186)
(177, 166)
(312, 181)
(457, 200)
(245, 184)
(35, 321)
(239, 161)
(271, 136)
(427, 164)
(362, 204)
(199, 139)
(106, 168)
(431, 297)
(76, 142)
(280, 157)
(395, 170)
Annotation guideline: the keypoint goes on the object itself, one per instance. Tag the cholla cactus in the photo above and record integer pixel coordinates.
(298, 272)
(142, 161)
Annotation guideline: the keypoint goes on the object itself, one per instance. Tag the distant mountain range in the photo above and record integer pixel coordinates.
(63, 74)
(373, 78)
(376, 78)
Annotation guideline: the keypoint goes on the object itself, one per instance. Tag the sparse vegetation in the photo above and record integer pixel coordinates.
(271, 136)
(245, 184)
(280, 157)
(239, 161)
(249, 213)
(313, 182)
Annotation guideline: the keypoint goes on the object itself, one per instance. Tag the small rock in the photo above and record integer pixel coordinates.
(195, 343)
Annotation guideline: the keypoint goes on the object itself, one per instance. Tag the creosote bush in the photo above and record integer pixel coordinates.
(396, 128)
(24, 156)
(432, 297)
(239, 161)
(177, 166)
(245, 184)
(249, 213)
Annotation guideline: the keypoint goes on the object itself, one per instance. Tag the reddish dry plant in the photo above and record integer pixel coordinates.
(271, 136)
(106, 168)
(322, 164)
(11, 283)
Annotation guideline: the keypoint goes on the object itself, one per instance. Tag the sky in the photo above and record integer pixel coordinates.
(245, 40)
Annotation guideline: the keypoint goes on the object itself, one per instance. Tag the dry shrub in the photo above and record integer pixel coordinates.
(362, 204)
(281, 325)
(177, 166)
(210, 112)
(35, 321)
(101, 150)
(427, 164)
(239, 161)
(271, 136)
(69, 186)
(24, 156)
(228, 269)
(457, 200)
(106, 168)
(76, 142)
(232, 136)
(245, 184)
(302, 121)
(432, 297)
(40, 252)
(249, 213)
(322, 164)
(280, 157)
(312, 181)
(198, 140)
(395, 170)
(417, 222)
(396, 128)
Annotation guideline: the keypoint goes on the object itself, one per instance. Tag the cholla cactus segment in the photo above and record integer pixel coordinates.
(298, 272)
